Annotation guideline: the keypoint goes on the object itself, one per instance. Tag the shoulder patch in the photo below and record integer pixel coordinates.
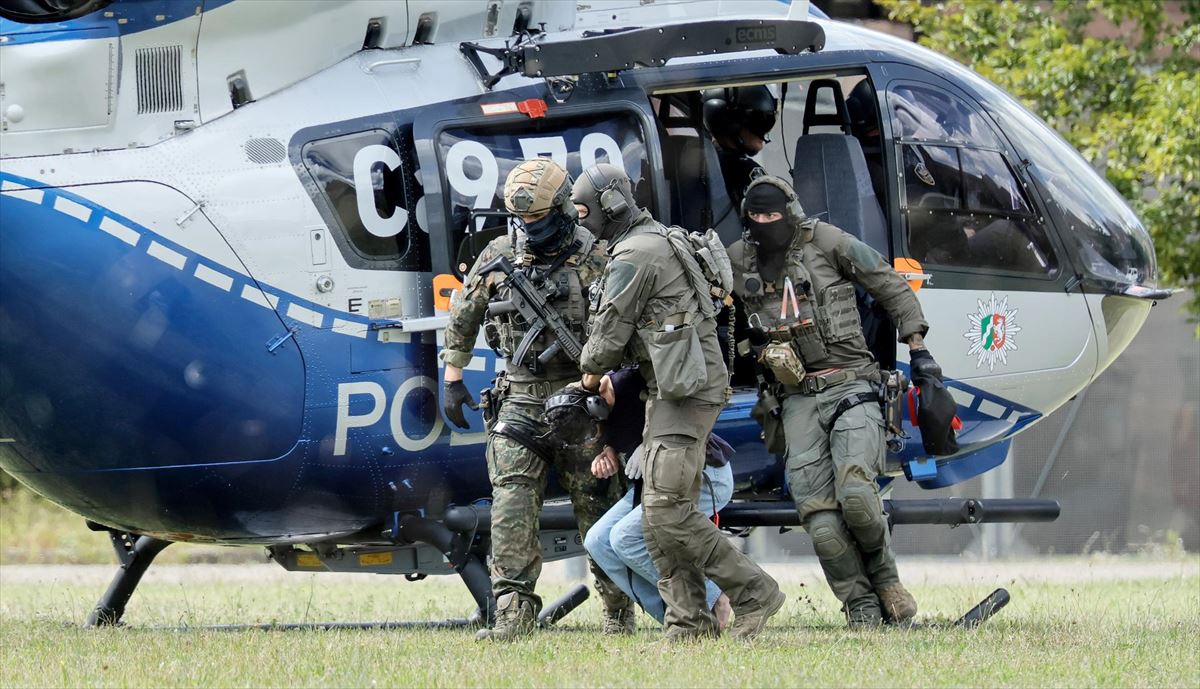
(620, 275)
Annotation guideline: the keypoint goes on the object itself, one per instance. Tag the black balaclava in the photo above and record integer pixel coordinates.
(772, 238)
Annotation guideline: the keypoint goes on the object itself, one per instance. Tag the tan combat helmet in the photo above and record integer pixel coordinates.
(536, 186)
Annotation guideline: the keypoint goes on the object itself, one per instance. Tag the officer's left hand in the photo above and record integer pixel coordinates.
(924, 368)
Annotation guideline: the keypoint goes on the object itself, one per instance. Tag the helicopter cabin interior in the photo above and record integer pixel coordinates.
(954, 204)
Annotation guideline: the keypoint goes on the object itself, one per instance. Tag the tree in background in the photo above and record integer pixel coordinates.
(1130, 104)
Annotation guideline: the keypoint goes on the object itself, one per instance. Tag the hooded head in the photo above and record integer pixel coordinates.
(538, 193)
(771, 213)
(604, 201)
(575, 415)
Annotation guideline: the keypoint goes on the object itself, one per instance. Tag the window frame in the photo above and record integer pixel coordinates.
(350, 251)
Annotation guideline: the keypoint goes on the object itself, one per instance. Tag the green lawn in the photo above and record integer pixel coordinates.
(1137, 633)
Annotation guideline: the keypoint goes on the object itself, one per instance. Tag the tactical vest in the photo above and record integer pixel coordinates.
(504, 332)
(825, 310)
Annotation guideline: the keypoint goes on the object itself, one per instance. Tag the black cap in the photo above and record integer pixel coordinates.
(766, 198)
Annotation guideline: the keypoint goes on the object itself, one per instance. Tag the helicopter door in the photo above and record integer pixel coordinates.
(997, 297)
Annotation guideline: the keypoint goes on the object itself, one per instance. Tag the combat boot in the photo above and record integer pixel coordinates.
(898, 605)
(514, 619)
(619, 622)
(863, 613)
(748, 623)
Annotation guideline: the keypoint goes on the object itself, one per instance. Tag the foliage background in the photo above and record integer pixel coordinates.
(1129, 103)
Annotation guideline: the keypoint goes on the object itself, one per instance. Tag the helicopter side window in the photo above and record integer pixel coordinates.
(478, 157)
(964, 207)
(360, 178)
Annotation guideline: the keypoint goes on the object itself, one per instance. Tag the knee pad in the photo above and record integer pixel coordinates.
(860, 506)
(829, 539)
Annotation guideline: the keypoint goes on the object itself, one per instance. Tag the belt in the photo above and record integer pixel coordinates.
(817, 382)
(541, 389)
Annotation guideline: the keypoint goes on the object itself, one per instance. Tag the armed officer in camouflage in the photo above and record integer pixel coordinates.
(797, 277)
(562, 259)
(651, 310)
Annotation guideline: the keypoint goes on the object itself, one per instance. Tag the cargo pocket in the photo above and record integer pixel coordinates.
(838, 315)
(678, 362)
(857, 441)
(665, 474)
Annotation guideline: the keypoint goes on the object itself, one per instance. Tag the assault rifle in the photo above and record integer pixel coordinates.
(531, 302)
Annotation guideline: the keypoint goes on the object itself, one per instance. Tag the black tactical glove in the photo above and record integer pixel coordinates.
(935, 416)
(454, 395)
(924, 367)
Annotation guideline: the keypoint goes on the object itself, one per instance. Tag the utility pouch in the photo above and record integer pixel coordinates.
(678, 361)
(781, 358)
(489, 404)
(838, 314)
(767, 413)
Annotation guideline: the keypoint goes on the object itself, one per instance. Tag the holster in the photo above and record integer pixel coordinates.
(491, 399)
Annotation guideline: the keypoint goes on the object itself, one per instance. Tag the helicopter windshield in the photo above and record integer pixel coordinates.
(1113, 245)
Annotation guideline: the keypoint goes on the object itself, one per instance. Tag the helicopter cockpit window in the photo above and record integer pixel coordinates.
(361, 178)
(1113, 244)
(927, 114)
(478, 157)
(964, 207)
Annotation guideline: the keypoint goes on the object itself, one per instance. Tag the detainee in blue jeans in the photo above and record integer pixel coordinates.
(616, 542)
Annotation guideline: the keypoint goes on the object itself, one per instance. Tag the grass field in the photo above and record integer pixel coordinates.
(1071, 623)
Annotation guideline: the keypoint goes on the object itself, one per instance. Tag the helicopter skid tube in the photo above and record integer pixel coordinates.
(943, 511)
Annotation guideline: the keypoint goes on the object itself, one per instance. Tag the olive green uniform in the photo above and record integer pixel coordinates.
(831, 471)
(646, 297)
(518, 474)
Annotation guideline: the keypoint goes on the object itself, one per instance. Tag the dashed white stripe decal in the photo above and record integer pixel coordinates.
(22, 192)
(991, 409)
(305, 315)
(214, 278)
(350, 328)
(253, 294)
(962, 397)
(167, 255)
(69, 207)
(126, 234)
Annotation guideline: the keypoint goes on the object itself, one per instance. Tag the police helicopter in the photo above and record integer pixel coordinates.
(230, 231)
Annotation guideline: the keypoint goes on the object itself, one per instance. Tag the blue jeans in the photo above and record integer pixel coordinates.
(617, 544)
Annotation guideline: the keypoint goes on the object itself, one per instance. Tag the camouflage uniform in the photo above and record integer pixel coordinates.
(518, 474)
(831, 471)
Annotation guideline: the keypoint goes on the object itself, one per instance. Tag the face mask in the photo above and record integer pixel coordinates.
(771, 236)
(547, 234)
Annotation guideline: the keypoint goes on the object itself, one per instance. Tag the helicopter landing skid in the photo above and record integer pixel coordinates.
(990, 605)
(135, 554)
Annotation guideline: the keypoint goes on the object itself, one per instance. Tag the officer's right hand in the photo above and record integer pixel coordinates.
(606, 463)
(633, 465)
(454, 395)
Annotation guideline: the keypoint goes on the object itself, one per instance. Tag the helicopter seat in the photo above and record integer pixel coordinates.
(699, 198)
(833, 183)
